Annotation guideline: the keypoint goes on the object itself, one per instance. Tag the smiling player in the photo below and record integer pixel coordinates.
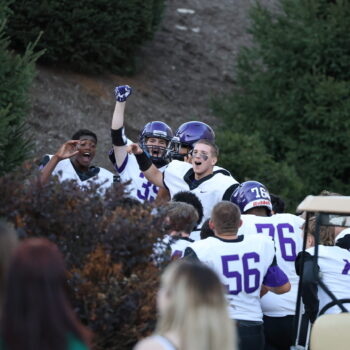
(73, 162)
(211, 186)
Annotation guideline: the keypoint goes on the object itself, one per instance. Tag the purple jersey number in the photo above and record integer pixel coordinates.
(346, 267)
(148, 188)
(284, 242)
(247, 273)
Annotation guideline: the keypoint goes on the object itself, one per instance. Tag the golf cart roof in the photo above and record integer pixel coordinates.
(325, 204)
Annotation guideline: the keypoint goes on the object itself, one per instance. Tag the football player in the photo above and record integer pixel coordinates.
(244, 264)
(333, 264)
(191, 198)
(211, 186)
(254, 201)
(186, 136)
(154, 139)
(180, 220)
(182, 144)
(73, 162)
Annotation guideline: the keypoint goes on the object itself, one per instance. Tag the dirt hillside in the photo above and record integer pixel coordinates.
(190, 61)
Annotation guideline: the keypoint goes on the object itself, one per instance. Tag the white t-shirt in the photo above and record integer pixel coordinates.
(241, 265)
(178, 176)
(334, 263)
(65, 171)
(285, 230)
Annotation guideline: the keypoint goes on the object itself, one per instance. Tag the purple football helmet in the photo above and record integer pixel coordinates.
(251, 194)
(157, 130)
(187, 135)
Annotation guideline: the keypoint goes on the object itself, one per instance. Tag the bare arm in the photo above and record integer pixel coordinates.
(67, 150)
(151, 172)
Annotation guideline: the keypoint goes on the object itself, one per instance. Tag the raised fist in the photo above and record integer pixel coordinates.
(122, 92)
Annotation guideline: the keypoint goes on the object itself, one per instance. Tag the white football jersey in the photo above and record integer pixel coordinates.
(177, 246)
(286, 231)
(139, 187)
(209, 190)
(334, 263)
(241, 265)
(65, 171)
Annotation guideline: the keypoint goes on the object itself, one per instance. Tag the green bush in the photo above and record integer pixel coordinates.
(293, 88)
(16, 75)
(245, 156)
(88, 35)
(107, 243)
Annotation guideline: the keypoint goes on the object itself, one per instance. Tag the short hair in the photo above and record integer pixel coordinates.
(84, 132)
(278, 204)
(190, 198)
(206, 231)
(213, 146)
(182, 217)
(226, 217)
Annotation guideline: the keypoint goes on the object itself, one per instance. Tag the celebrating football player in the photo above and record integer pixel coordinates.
(211, 186)
(253, 199)
(73, 162)
(153, 139)
(244, 264)
(181, 146)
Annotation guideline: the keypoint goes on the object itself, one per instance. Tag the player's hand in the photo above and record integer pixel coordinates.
(134, 148)
(68, 150)
(122, 92)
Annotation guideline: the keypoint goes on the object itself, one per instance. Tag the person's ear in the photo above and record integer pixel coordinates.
(240, 223)
(214, 161)
(211, 225)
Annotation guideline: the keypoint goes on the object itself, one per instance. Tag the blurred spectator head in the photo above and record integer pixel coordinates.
(36, 308)
(191, 302)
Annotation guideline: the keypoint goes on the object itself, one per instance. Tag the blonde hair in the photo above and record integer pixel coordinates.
(197, 309)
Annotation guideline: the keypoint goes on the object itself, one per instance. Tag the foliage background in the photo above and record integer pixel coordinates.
(290, 107)
(107, 243)
(86, 35)
(16, 75)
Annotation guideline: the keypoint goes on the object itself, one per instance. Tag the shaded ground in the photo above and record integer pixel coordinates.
(190, 61)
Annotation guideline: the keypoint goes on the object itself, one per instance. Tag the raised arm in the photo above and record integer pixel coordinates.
(146, 166)
(67, 150)
(117, 129)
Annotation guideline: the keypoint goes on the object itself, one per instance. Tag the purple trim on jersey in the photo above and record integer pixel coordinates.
(275, 277)
(123, 166)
